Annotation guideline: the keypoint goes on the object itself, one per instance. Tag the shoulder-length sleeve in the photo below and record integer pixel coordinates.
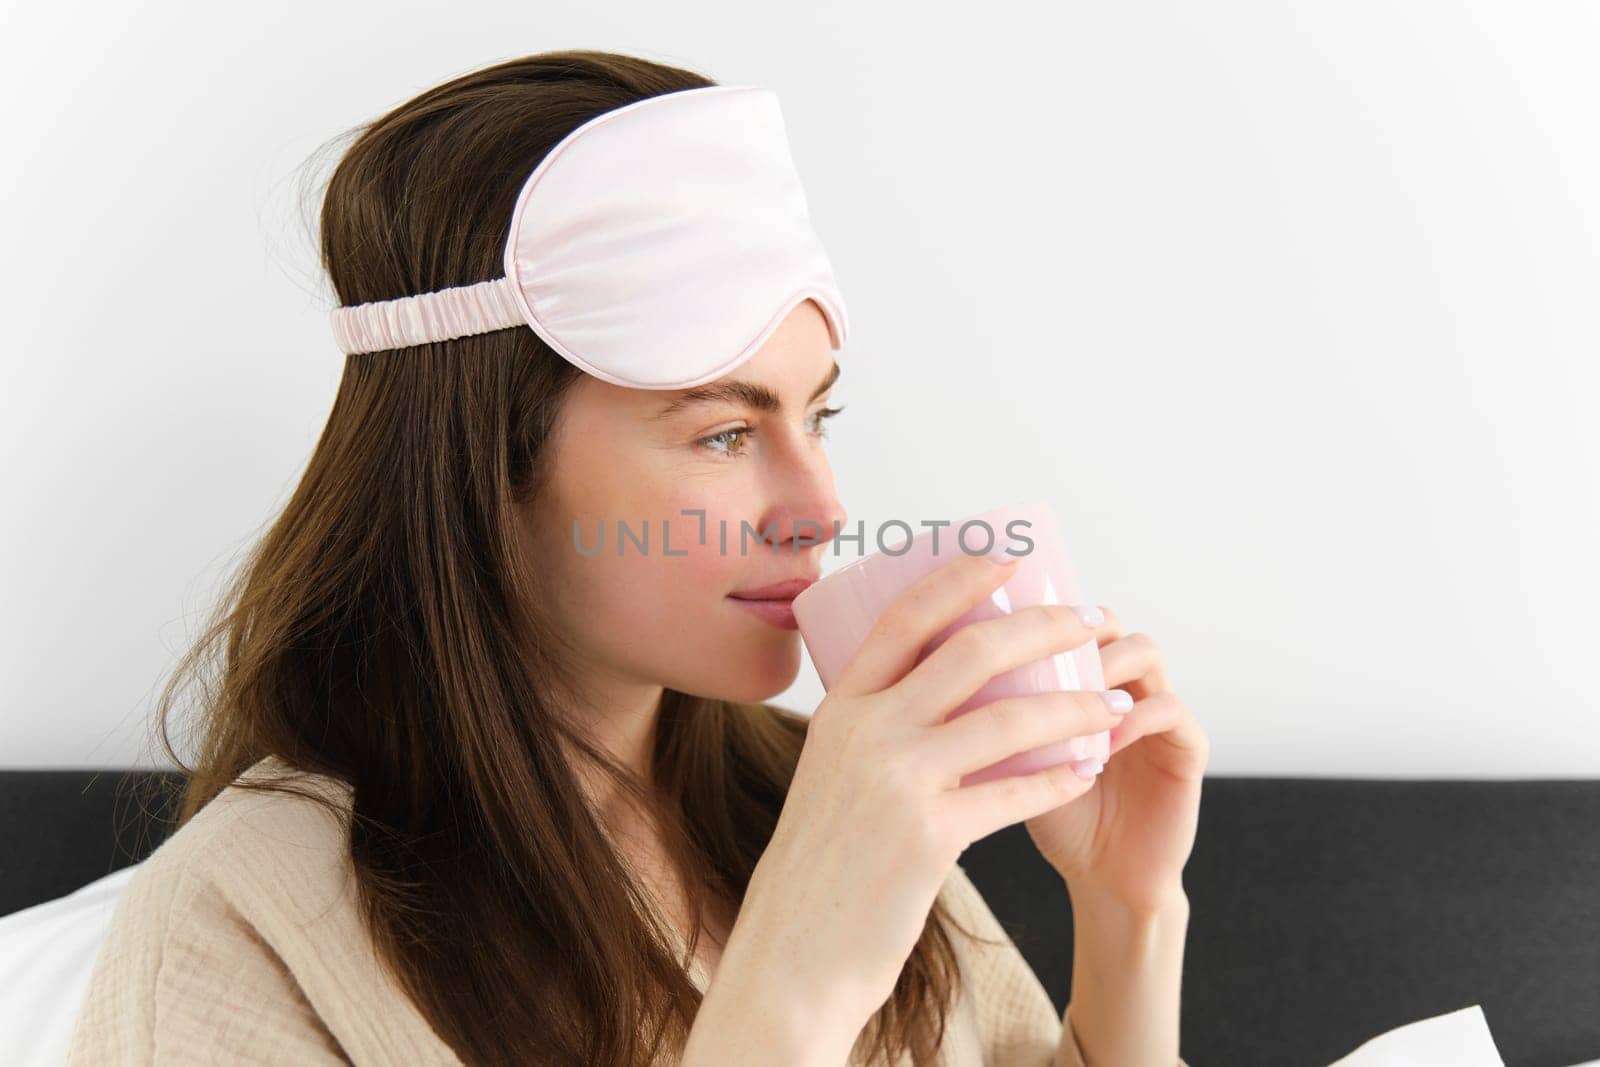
(242, 941)
(182, 977)
(1017, 1021)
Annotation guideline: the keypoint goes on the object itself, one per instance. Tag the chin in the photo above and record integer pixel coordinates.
(752, 680)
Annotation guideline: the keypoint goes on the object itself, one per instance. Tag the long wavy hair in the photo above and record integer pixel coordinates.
(386, 631)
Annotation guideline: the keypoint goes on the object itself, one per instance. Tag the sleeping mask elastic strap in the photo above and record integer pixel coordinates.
(657, 246)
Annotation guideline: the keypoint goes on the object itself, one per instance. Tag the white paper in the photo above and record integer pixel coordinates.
(1455, 1039)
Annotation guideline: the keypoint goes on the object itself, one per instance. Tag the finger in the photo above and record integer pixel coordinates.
(927, 606)
(981, 650)
(1134, 662)
(1109, 630)
(979, 810)
(1163, 716)
(992, 732)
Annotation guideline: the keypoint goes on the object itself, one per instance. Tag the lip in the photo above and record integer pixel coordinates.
(779, 613)
(787, 590)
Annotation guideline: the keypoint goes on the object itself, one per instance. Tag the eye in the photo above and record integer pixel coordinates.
(735, 437)
(822, 416)
(729, 436)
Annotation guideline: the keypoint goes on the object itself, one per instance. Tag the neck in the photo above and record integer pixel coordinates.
(626, 730)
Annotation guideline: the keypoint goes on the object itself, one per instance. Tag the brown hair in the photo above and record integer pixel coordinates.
(384, 630)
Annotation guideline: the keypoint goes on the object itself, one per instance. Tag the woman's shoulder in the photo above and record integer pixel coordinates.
(250, 902)
(250, 857)
(247, 832)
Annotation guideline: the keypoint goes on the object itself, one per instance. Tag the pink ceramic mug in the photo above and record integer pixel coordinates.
(836, 613)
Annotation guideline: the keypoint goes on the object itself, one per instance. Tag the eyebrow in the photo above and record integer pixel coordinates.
(750, 394)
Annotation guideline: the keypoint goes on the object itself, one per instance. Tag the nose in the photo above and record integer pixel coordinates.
(805, 510)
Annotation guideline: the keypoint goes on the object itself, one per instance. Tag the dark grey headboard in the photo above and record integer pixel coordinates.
(1324, 911)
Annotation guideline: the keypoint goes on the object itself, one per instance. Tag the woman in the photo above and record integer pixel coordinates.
(464, 794)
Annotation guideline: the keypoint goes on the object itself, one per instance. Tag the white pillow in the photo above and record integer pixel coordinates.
(46, 954)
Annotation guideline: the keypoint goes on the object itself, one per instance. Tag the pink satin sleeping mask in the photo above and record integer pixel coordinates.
(836, 613)
(656, 246)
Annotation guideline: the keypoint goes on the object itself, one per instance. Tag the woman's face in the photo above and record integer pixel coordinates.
(661, 615)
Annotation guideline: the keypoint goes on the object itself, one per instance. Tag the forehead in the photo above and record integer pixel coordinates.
(741, 390)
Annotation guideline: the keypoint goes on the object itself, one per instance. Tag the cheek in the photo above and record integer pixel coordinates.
(665, 617)
(690, 552)
(703, 534)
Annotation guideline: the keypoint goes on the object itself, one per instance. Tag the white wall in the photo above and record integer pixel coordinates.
(1289, 307)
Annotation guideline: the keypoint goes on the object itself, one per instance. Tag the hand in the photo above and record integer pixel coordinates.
(1129, 837)
(875, 817)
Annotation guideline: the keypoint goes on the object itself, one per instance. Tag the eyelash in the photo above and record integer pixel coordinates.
(747, 431)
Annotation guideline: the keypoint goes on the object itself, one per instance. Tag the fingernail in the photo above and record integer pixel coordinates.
(1117, 700)
(1001, 555)
(1091, 615)
(1087, 768)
